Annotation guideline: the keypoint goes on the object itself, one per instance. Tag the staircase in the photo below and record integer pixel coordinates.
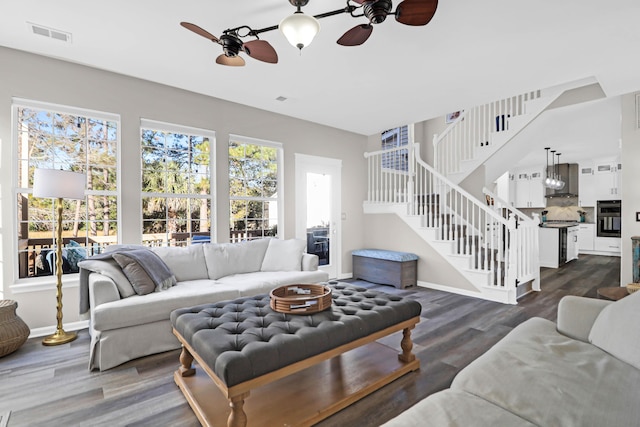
(481, 132)
(494, 247)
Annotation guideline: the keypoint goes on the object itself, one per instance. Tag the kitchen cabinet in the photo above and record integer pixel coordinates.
(608, 244)
(529, 191)
(586, 186)
(572, 243)
(586, 237)
(607, 176)
(549, 244)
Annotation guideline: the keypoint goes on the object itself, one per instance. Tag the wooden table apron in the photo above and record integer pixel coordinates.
(374, 362)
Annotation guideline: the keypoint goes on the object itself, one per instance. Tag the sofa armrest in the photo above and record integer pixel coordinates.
(310, 262)
(102, 289)
(577, 314)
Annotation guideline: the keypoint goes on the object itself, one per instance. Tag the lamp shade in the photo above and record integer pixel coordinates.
(54, 183)
(299, 29)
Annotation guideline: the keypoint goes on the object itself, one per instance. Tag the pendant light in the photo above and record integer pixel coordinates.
(547, 181)
(553, 182)
(559, 181)
(299, 29)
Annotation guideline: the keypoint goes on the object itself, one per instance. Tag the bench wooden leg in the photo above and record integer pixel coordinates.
(237, 417)
(186, 363)
(407, 345)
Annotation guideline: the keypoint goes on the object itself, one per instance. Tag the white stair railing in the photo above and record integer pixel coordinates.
(473, 129)
(469, 226)
(526, 235)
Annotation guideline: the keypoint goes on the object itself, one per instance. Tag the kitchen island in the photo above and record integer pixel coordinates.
(558, 242)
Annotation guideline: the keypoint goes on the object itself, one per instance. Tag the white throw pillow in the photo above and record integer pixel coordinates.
(284, 255)
(225, 259)
(186, 263)
(616, 330)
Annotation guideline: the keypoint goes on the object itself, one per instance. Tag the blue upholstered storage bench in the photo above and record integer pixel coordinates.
(399, 269)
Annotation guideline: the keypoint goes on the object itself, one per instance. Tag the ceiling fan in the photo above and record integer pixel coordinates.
(408, 12)
(232, 45)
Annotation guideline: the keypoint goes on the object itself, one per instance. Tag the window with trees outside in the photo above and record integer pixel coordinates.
(56, 137)
(396, 140)
(177, 190)
(254, 188)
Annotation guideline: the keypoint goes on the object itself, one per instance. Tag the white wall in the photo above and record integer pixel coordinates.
(38, 78)
(630, 180)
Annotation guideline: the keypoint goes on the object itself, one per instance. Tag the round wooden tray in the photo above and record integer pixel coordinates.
(300, 299)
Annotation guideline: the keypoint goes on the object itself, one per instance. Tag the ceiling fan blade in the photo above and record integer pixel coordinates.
(200, 31)
(356, 36)
(232, 61)
(261, 50)
(416, 12)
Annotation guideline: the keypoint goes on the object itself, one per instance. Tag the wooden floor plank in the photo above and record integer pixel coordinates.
(52, 386)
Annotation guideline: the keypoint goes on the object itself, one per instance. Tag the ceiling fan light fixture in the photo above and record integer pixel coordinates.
(299, 29)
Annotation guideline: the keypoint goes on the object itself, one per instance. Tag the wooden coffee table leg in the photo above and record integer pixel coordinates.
(407, 345)
(237, 417)
(186, 363)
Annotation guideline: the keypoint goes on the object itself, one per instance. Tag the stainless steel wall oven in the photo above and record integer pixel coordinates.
(608, 216)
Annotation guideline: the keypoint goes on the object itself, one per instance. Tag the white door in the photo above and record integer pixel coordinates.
(318, 193)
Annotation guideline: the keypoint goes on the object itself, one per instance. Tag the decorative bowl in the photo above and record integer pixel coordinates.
(632, 287)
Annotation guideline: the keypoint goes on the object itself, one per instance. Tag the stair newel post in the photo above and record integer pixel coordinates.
(411, 180)
(513, 242)
(535, 251)
(436, 153)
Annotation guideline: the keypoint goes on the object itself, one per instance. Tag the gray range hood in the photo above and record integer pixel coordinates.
(569, 174)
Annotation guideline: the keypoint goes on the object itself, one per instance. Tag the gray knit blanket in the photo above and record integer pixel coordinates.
(155, 267)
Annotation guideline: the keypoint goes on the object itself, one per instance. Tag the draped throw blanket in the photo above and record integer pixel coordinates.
(141, 266)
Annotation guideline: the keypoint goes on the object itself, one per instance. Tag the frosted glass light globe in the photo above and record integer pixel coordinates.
(299, 29)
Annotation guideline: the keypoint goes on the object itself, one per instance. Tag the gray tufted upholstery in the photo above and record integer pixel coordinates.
(244, 338)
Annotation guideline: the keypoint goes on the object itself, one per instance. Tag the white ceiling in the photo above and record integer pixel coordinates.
(472, 52)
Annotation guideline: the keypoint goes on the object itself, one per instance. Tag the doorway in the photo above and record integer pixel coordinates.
(318, 206)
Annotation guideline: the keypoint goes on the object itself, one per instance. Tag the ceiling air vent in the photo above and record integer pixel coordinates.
(41, 30)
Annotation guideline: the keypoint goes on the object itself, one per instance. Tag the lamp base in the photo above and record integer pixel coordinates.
(60, 337)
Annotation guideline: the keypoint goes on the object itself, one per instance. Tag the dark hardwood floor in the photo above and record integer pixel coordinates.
(51, 386)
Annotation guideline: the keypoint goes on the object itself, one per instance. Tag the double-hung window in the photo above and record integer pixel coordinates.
(177, 184)
(255, 193)
(396, 142)
(51, 136)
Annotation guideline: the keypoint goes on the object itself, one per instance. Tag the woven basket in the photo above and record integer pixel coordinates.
(632, 287)
(300, 299)
(13, 331)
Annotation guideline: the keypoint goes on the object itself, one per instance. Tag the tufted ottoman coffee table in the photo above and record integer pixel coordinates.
(299, 369)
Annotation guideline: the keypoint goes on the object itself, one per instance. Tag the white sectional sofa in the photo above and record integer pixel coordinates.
(583, 372)
(126, 325)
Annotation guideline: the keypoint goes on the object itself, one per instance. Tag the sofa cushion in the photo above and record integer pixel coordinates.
(456, 408)
(552, 380)
(224, 259)
(284, 255)
(616, 330)
(156, 306)
(110, 268)
(249, 284)
(137, 275)
(186, 263)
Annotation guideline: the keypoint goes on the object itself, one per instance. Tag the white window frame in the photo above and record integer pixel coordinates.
(280, 199)
(35, 284)
(407, 146)
(159, 126)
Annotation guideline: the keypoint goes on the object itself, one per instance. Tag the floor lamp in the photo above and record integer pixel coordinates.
(59, 184)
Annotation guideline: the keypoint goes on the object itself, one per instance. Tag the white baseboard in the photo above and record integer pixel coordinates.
(48, 330)
(458, 291)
